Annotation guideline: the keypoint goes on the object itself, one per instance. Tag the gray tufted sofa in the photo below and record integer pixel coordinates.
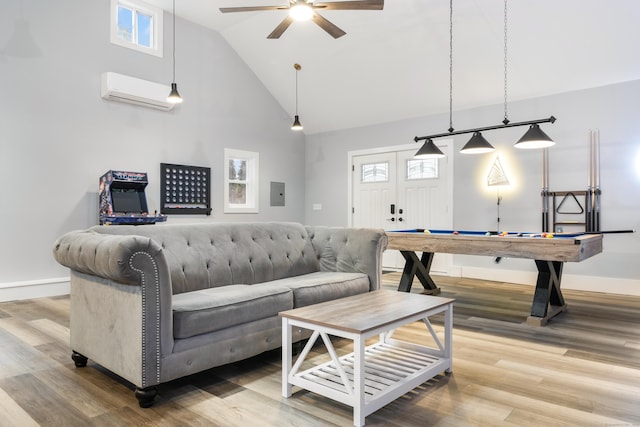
(154, 303)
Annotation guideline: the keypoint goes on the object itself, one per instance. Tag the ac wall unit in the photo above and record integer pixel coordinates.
(121, 88)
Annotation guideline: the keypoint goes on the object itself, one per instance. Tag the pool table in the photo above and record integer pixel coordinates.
(549, 254)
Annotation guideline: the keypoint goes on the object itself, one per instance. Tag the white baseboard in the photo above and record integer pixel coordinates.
(610, 285)
(14, 291)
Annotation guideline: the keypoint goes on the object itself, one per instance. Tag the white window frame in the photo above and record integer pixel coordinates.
(157, 16)
(253, 173)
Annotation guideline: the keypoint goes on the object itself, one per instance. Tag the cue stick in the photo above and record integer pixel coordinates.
(589, 198)
(611, 231)
(596, 155)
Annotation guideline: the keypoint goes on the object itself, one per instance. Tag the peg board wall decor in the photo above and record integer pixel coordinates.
(185, 189)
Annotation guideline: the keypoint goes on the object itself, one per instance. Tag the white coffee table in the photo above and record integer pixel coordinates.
(374, 375)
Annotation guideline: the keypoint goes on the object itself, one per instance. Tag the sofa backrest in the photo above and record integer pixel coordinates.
(208, 255)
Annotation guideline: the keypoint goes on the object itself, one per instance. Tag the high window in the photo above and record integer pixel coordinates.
(136, 25)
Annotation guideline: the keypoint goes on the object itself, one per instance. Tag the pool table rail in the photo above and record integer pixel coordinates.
(573, 249)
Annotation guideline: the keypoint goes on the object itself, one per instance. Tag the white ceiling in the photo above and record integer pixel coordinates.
(394, 64)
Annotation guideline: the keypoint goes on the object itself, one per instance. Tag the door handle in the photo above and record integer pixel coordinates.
(392, 219)
(393, 209)
(400, 219)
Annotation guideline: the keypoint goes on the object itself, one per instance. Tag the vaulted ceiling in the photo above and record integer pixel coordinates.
(394, 63)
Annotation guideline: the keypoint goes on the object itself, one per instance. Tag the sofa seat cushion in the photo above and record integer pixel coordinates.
(209, 310)
(324, 286)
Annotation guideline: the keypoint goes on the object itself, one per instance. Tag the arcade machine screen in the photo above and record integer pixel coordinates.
(127, 200)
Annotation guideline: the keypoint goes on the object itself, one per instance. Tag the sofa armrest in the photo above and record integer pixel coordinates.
(120, 301)
(357, 250)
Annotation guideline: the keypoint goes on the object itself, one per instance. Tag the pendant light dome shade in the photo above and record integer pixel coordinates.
(534, 138)
(296, 124)
(174, 97)
(477, 145)
(429, 150)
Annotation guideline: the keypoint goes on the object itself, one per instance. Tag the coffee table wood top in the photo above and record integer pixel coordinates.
(364, 312)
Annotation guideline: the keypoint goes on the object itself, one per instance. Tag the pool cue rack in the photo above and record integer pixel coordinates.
(591, 209)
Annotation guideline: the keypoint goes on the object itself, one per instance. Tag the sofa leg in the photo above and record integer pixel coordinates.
(146, 396)
(79, 360)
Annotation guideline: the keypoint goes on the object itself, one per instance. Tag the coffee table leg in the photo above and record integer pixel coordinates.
(448, 337)
(358, 381)
(286, 357)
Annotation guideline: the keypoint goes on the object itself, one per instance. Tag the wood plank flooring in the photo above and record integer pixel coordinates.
(583, 369)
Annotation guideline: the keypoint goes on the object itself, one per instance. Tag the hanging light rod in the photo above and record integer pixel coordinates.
(502, 126)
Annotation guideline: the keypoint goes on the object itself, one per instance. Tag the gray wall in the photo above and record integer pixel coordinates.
(611, 109)
(57, 136)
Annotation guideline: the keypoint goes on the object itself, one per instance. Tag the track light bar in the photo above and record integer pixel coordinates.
(502, 126)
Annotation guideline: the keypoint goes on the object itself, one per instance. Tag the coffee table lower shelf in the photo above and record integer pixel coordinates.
(391, 370)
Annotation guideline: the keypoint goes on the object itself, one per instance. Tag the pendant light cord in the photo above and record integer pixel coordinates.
(451, 66)
(506, 119)
(296, 91)
(174, 41)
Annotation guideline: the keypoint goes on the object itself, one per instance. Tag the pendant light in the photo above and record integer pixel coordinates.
(174, 97)
(478, 144)
(533, 138)
(296, 121)
(429, 150)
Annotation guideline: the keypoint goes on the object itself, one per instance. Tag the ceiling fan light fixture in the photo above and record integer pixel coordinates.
(429, 150)
(301, 11)
(534, 138)
(477, 145)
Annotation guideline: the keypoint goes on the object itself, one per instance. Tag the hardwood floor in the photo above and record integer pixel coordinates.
(583, 369)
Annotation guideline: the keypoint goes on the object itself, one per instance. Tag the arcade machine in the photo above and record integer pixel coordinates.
(122, 199)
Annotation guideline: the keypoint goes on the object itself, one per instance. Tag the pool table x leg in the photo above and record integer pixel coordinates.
(417, 267)
(547, 299)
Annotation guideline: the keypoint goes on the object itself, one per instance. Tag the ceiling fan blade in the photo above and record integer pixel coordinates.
(251, 8)
(329, 27)
(275, 34)
(352, 5)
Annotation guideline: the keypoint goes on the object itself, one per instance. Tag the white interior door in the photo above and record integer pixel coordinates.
(393, 191)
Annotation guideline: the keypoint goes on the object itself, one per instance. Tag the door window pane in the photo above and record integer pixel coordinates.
(375, 172)
(422, 169)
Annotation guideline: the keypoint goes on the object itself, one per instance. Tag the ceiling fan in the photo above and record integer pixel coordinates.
(300, 10)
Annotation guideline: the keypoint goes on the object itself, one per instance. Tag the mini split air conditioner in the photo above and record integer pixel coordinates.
(121, 88)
